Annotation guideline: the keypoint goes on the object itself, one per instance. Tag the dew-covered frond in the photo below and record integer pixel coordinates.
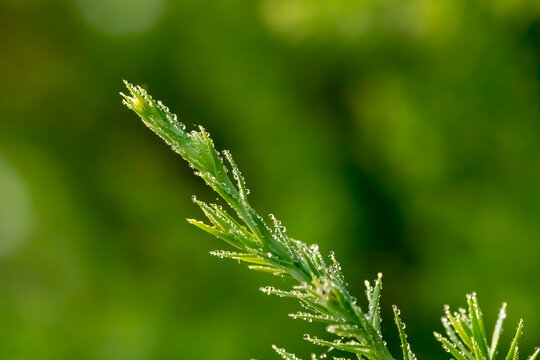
(351, 346)
(479, 339)
(345, 331)
(261, 263)
(449, 347)
(285, 355)
(309, 317)
(497, 331)
(373, 295)
(514, 349)
(405, 346)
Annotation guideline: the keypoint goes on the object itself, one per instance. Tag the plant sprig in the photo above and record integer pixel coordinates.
(321, 287)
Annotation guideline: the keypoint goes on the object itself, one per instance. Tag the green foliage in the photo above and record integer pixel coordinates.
(321, 287)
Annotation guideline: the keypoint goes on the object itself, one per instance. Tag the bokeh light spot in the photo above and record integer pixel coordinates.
(122, 17)
(15, 210)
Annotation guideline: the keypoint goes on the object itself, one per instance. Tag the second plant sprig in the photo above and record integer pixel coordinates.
(467, 338)
(321, 288)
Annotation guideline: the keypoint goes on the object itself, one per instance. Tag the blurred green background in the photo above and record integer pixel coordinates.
(404, 135)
